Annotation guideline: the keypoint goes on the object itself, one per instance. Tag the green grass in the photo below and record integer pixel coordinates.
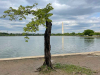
(72, 68)
(45, 69)
(69, 69)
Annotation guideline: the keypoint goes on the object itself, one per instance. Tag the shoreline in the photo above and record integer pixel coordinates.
(28, 65)
(90, 36)
(54, 55)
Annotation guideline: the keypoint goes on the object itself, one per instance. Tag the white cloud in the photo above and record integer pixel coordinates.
(81, 16)
(59, 6)
(93, 21)
(42, 28)
(7, 26)
(75, 14)
(18, 26)
(71, 24)
(7, 4)
(14, 31)
(66, 28)
(88, 21)
(66, 23)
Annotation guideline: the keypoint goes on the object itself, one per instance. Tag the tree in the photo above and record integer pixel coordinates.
(67, 34)
(97, 33)
(80, 34)
(73, 33)
(41, 17)
(88, 32)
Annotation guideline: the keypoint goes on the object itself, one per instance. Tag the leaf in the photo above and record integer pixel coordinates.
(20, 19)
(26, 37)
(23, 33)
(26, 40)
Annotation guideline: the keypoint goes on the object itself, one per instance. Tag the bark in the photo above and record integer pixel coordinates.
(47, 46)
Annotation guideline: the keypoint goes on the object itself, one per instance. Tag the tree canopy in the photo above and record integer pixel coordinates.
(88, 32)
(41, 16)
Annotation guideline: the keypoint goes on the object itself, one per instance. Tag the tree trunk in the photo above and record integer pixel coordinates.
(47, 46)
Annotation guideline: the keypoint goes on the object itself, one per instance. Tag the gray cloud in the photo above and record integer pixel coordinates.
(64, 10)
(41, 3)
(93, 2)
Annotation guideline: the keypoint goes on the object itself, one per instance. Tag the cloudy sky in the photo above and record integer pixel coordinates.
(76, 15)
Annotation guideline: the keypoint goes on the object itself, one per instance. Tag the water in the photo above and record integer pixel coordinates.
(15, 46)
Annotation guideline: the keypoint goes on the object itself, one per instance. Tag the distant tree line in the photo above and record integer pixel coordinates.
(87, 32)
(19, 34)
(67, 34)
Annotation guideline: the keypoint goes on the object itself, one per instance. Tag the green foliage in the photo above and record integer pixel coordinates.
(3, 34)
(41, 16)
(97, 34)
(80, 34)
(66, 33)
(88, 32)
(20, 34)
(73, 33)
(33, 34)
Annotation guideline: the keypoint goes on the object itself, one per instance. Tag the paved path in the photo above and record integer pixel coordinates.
(28, 66)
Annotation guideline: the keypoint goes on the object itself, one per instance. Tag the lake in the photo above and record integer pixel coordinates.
(15, 46)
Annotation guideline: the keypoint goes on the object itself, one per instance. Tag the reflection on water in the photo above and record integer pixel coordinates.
(62, 43)
(16, 46)
(89, 44)
(89, 40)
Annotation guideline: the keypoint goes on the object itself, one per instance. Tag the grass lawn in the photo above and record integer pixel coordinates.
(66, 69)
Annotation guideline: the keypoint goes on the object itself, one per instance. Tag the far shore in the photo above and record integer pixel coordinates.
(90, 36)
